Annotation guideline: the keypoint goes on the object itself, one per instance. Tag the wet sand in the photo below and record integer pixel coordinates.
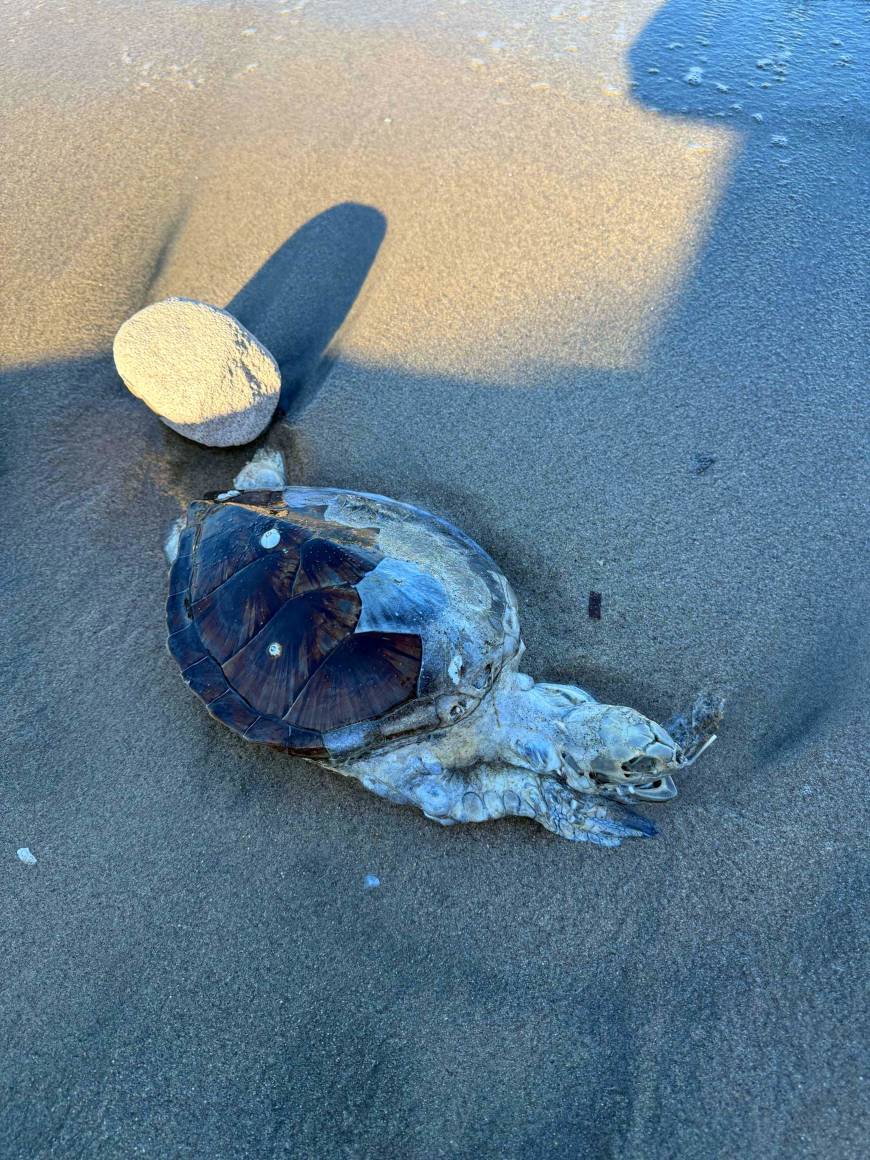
(536, 280)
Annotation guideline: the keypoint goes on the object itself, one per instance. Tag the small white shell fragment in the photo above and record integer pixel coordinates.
(371, 882)
(170, 546)
(265, 471)
(271, 538)
(274, 649)
(231, 494)
(200, 370)
(25, 856)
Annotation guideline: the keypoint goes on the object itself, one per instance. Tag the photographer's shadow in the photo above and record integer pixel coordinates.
(776, 284)
(763, 354)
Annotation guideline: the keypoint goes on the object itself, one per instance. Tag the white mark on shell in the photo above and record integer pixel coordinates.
(228, 494)
(454, 669)
(271, 538)
(274, 649)
(25, 856)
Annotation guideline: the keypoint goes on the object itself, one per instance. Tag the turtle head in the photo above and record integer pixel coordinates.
(562, 730)
(620, 746)
(617, 747)
(631, 746)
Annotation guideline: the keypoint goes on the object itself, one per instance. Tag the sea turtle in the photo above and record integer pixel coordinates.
(382, 642)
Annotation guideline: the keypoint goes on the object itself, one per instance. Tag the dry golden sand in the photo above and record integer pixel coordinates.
(549, 223)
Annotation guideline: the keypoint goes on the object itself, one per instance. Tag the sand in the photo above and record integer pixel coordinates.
(612, 326)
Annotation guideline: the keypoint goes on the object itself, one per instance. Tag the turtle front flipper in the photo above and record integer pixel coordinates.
(485, 793)
(578, 817)
(583, 818)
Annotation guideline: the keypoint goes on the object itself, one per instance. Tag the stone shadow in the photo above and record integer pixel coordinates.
(299, 298)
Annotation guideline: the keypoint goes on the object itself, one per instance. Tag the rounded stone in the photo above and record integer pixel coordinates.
(199, 370)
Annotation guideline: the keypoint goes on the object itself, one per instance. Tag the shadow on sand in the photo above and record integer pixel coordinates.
(770, 330)
(299, 298)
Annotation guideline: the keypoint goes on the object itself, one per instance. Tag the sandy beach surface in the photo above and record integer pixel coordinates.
(591, 281)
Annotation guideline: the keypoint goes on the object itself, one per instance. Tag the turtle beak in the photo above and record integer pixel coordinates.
(662, 789)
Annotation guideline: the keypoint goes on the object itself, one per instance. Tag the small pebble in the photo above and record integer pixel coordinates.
(25, 856)
(371, 882)
(200, 370)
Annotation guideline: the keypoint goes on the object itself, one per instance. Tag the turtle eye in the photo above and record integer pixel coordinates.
(640, 765)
